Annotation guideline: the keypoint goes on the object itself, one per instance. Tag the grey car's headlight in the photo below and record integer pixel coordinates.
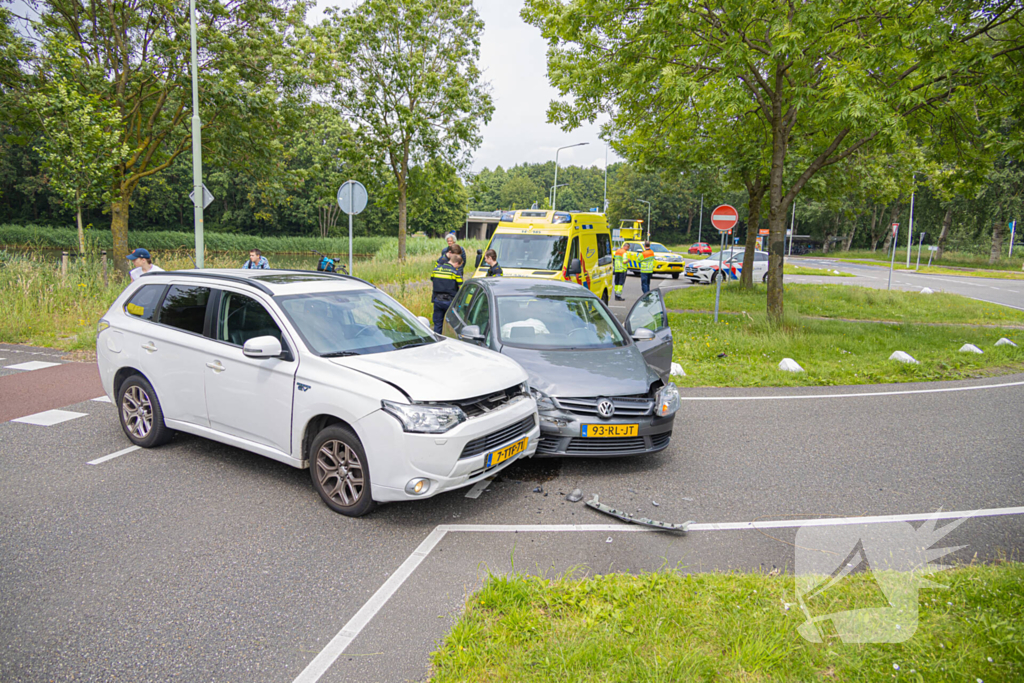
(425, 419)
(544, 402)
(667, 400)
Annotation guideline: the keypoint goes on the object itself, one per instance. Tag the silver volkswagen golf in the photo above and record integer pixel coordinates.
(602, 389)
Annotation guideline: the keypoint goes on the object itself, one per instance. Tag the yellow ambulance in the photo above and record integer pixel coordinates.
(545, 244)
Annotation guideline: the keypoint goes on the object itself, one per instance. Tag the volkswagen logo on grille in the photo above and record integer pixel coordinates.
(605, 408)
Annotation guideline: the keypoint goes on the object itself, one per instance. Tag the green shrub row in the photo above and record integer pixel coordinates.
(44, 237)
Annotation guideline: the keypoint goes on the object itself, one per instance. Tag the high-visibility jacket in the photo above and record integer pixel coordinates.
(620, 261)
(446, 281)
(647, 261)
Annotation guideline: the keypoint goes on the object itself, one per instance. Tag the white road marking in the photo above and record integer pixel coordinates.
(857, 395)
(323, 661)
(48, 418)
(996, 303)
(119, 453)
(101, 399)
(31, 365)
(479, 487)
(351, 630)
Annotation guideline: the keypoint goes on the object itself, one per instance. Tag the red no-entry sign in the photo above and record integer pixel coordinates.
(724, 218)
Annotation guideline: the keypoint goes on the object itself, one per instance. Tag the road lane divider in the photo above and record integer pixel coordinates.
(860, 394)
(118, 454)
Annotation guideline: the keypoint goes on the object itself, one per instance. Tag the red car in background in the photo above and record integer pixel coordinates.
(700, 248)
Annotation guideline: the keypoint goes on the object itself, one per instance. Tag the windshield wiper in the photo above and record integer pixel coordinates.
(422, 343)
(338, 354)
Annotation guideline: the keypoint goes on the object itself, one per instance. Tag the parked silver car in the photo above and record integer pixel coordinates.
(601, 389)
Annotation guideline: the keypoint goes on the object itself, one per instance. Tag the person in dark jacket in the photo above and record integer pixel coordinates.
(443, 259)
(445, 280)
(456, 249)
(491, 259)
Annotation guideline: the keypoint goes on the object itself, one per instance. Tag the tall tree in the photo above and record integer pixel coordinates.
(135, 58)
(405, 73)
(824, 77)
(81, 143)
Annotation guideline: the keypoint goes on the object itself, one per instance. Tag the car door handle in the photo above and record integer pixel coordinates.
(149, 346)
(216, 366)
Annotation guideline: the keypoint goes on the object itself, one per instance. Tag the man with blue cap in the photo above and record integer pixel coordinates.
(143, 263)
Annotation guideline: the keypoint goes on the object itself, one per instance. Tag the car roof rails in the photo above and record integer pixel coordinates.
(343, 276)
(216, 276)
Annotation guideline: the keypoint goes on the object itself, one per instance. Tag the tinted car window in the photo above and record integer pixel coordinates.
(760, 257)
(556, 322)
(479, 314)
(461, 306)
(185, 308)
(243, 318)
(604, 246)
(143, 304)
(636, 246)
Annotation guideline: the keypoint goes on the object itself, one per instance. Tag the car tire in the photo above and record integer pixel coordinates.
(764, 279)
(714, 276)
(338, 468)
(142, 417)
(675, 276)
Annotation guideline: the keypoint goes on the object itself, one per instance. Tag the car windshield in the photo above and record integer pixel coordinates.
(556, 322)
(658, 248)
(353, 323)
(532, 252)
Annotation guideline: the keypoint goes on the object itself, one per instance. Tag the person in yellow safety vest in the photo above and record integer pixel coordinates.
(620, 271)
(646, 267)
(445, 280)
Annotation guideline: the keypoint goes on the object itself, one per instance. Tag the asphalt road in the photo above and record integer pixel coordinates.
(198, 561)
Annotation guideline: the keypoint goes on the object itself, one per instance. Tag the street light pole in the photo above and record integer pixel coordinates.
(551, 189)
(606, 189)
(700, 220)
(648, 218)
(910, 231)
(554, 197)
(197, 146)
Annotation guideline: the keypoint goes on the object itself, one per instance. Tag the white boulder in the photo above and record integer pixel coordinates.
(903, 357)
(970, 348)
(1005, 342)
(677, 369)
(837, 272)
(790, 365)
(925, 290)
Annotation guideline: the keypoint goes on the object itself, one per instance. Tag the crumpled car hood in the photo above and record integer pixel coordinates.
(618, 371)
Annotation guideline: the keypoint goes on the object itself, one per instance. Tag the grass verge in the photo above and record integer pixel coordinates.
(939, 270)
(795, 269)
(838, 352)
(955, 259)
(668, 626)
(41, 307)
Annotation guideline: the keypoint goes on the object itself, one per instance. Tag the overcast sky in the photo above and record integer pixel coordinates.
(512, 57)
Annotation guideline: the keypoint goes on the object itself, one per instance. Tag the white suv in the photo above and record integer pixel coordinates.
(316, 370)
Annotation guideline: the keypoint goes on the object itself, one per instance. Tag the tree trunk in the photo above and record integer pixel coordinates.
(755, 193)
(403, 186)
(777, 205)
(849, 237)
(689, 222)
(119, 231)
(893, 215)
(874, 222)
(997, 242)
(81, 230)
(947, 221)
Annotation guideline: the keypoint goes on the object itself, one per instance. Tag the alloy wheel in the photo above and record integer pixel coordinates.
(137, 411)
(339, 472)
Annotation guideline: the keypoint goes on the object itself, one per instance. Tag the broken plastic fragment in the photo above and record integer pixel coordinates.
(644, 521)
(575, 496)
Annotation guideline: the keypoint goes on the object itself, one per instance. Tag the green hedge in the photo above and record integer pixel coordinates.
(42, 237)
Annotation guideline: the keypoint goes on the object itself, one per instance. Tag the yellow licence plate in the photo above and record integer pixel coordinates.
(498, 457)
(609, 430)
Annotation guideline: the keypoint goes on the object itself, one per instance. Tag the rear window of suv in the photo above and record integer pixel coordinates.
(144, 302)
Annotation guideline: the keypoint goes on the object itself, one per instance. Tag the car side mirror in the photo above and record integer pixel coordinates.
(262, 347)
(471, 333)
(479, 256)
(643, 334)
(574, 267)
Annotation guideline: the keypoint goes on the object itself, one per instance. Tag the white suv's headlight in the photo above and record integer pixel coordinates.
(425, 419)
(667, 400)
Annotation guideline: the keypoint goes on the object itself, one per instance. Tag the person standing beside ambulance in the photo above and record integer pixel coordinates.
(620, 271)
(646, 267)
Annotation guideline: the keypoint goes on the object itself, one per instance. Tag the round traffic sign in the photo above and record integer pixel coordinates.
(352, 197)
(724, 217)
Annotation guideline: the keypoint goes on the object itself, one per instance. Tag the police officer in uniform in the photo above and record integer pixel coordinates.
(646, 267)
(446, 280)
(620, 271)
(491, 259)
